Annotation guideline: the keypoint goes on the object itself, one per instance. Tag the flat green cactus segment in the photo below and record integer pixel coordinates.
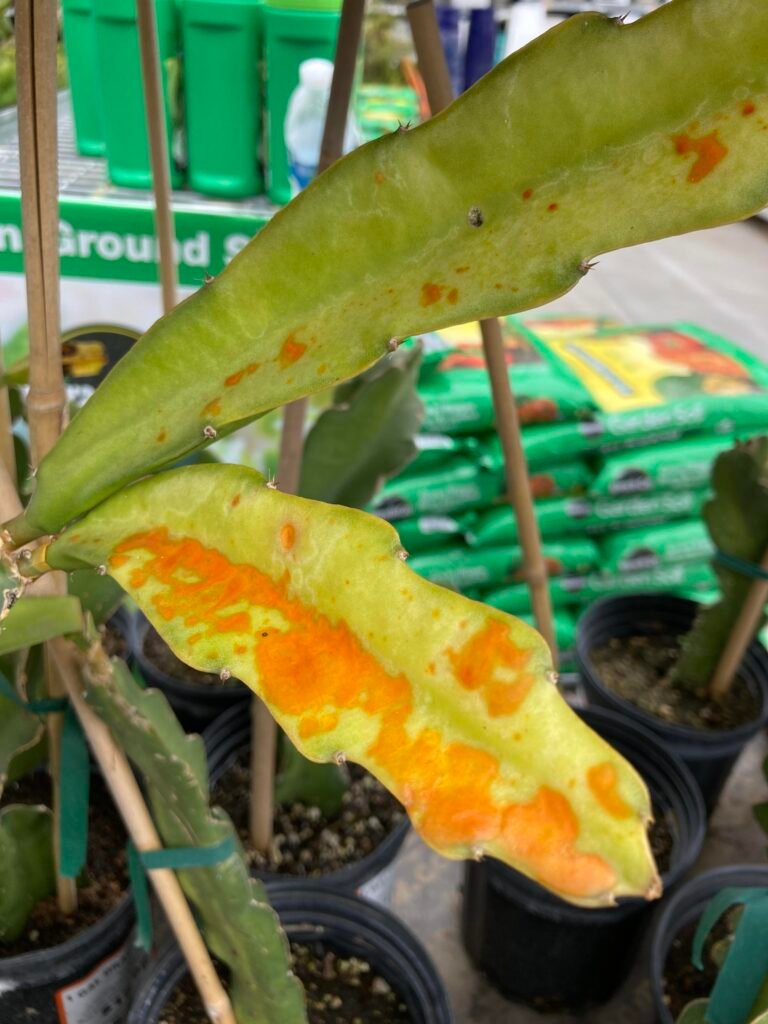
(26, 865)
(451, 704)
(240, 927)
(596, 136)
(33, 620)
(737, 519)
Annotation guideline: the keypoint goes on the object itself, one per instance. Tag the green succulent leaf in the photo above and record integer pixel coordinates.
(449, 702)
(694, 1013)
(241, 930)
(26, 865)
(33, 620)
(366, 435)
(319, 785)
(20, 731)
(737, 520)
(98, 594)
(596, 136)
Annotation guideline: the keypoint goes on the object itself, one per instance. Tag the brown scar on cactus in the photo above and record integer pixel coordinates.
(475, 217)
(209, 431)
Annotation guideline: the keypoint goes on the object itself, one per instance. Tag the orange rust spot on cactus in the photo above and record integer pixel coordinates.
(544, 832)
(379, 177)
(116, 561)
(287, 536)
(322, 368)
(498, 286)
(235, 501)
(310, 666)
(490, 662)
(195, 639)
(603, 781)
(708, 149)
(234, 378)
(213, 408)
(291, 351)
(240, 648)
(137, 578)
(748, 107)
(527, 193)
(431, 293)
(553, 206)
(462, 270)
(314, 725)
(162, 434)
(453, 296)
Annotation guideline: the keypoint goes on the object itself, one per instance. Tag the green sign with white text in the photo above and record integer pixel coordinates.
(116, 241)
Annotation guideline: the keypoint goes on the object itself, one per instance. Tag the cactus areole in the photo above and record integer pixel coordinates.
(596, 136)
(450, 703)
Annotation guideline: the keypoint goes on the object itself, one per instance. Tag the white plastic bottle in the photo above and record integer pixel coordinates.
(305, 120)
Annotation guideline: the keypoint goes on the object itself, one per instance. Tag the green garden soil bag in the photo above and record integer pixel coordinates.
(651, 546)
(455, 389)
(562, 516)
(544, 446)
(667, 378)
(559, 479)
(564, 622)
(461, 567)
(562, 325)
(460, 486)
(572, 591)
(425, 533)
(437, 451)
(681, 465)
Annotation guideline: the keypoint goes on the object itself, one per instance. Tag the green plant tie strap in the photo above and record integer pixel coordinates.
(742, 974)
(51, 705)
(75, 775)
(741, 566)
(174, 859)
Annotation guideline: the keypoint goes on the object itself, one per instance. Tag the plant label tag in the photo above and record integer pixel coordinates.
(101, 997)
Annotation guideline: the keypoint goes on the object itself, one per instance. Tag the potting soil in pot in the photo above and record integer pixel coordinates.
(305, 841)
(638, 668)
(682, 981)
(157, 651)
(339, 990)
(105, 878)
(620, 429)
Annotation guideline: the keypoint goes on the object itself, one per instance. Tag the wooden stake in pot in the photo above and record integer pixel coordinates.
(742, 636)
(36, 39)
(151, 75)
(434, 71)
(292, 438)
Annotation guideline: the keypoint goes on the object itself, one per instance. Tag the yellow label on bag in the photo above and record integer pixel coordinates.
(634, 369)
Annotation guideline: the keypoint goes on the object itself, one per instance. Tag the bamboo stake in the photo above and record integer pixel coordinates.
(36, 37)
(741, 636)
(130, 802)
(158, 147)
(434, 71)
(292, 438)
(128, 798)
(7, 451)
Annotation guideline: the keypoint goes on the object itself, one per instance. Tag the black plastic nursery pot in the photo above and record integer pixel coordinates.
(341, 922)
(86, 980)
(709, 753)
(371, 876)
(685, 907)
(196, 704)
(536, 947)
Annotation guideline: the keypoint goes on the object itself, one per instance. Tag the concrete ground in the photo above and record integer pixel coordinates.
(717, 279)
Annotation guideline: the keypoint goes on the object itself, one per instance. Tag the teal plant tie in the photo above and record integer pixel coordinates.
(75, 774)
(741, 566)
(746, 965)
(176, 858)
(51, 705)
